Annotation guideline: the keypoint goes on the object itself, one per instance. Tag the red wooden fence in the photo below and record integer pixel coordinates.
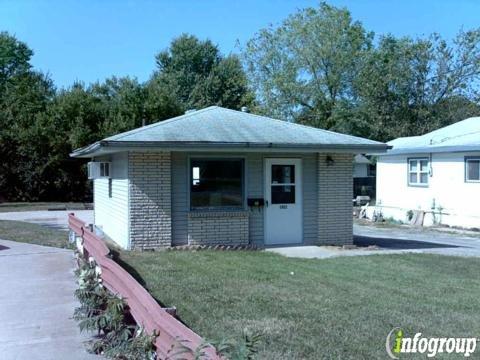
(143, 307)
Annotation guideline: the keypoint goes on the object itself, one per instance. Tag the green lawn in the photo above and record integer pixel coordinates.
(339, 308)
(33, 234)
(32, 206)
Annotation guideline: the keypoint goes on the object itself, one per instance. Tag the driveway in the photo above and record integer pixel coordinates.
(53, 219)
(413, 239)
(371, 240)
(37, 303)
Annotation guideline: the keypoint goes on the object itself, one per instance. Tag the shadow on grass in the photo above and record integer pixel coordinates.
(116, 256)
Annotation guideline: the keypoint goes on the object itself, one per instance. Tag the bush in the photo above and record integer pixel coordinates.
(107, 315)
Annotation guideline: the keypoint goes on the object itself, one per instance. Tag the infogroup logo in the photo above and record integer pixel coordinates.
(397, 344)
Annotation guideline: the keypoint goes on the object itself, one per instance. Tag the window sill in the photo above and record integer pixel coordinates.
(217, 213)
(418, 185)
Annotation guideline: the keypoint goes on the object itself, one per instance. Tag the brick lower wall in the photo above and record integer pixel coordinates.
(150, 200)
(335, 192)
(218, 228)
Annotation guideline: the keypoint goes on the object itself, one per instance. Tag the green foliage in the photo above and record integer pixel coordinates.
(14, 57)
(196, 75)
(245, 348)
(321, 68)
(304, 68)
(105, 313)
(41, 126)
(139, 346)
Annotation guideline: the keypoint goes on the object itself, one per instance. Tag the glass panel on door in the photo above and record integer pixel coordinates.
(283, 194)
(283, 174)
(283, 184)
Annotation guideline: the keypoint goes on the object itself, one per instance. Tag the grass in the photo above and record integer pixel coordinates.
(32, 206)
(33, 234)
(340, 308)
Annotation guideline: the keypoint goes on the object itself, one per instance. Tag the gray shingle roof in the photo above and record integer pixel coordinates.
(459, 137)
(219, 127)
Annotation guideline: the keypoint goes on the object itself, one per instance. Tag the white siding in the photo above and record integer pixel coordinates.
(111, 208)
(255, 189)
(447, 188)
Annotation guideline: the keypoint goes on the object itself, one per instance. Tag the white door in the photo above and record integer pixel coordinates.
(283, 201)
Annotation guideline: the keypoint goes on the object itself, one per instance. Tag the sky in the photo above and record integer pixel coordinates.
(91, 40)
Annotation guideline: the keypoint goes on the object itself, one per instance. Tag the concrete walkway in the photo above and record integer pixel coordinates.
(37, 303)
(52, 219)
(372, 240)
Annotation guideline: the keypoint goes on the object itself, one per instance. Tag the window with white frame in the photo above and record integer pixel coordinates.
(472, 169)
(418, 171)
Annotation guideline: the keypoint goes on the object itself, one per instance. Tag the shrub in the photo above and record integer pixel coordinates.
(107, 315)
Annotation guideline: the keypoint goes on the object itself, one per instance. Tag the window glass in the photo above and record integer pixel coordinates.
(473, 170)
(418, 172)
(423, 178)
(216, 184)
(283, 174)
(195, 175)
(423, 165)
(104, 169)
(283, 194)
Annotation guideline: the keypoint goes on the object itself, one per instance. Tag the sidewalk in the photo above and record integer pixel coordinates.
(37, 303)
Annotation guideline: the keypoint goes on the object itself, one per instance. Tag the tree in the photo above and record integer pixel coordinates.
(304, 68)
(321, 68)
(24, 95)
(409, 87)
(122, 101)
(196, 75)
(14, 57)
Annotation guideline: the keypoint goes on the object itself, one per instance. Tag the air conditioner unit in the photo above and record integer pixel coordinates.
(98, 170)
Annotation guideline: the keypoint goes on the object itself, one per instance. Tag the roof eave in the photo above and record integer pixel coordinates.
(102, 147)
(428, 150)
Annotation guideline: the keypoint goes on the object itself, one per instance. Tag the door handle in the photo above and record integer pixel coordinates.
(266, 203)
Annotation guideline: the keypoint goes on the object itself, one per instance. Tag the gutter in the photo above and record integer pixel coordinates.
(116, 146)
(429, 150)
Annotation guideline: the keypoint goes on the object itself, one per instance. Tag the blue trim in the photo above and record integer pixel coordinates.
(466, 159)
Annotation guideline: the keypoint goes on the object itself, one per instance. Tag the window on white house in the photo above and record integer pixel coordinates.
(216, 184)
(104, 169)
(472, 169)
(418, 171)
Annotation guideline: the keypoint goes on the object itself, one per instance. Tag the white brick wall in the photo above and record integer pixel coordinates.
(218, 228)
(150, 200)
(335, 192)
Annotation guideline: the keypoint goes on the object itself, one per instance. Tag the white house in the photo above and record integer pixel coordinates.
(223, 177)
(436, 173)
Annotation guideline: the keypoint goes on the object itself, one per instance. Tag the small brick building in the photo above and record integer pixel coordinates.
(219, 176)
